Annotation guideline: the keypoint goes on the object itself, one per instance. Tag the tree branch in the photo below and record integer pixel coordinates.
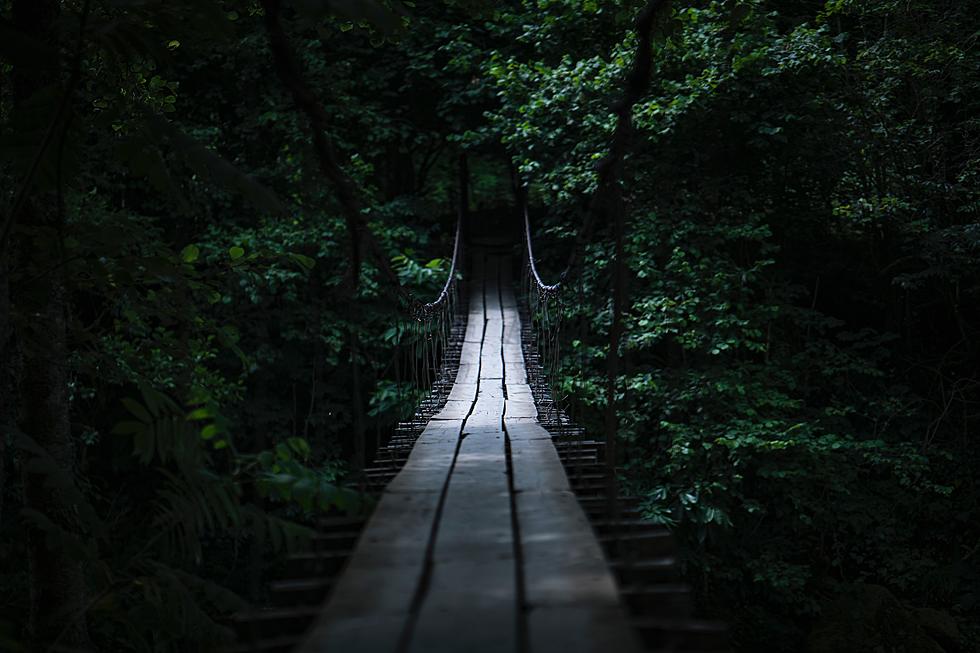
(344, 187)
(23, 192)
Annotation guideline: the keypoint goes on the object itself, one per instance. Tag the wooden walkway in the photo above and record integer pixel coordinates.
(478, 544)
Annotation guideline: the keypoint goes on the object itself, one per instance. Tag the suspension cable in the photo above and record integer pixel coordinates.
(543, 288)
(444, 294)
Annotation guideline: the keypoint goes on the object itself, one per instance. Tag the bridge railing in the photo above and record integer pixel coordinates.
(546, 308)
(430, 335)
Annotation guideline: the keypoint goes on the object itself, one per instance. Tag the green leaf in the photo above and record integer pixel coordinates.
(304, 262)
(200, 413)
(300, 446)
(304, 491)
(236, 253)
(137, 409)
(190, 253)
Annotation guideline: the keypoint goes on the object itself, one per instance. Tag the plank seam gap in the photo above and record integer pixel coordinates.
(425, 579)
(523, 641)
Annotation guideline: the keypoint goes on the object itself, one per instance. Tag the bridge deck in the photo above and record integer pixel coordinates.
(478, 544)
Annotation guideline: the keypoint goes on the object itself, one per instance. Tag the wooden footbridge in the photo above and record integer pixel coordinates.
(490, 533)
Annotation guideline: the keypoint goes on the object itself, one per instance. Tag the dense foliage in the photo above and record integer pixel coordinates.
(801, 354)
(203, 268)
(197, 330)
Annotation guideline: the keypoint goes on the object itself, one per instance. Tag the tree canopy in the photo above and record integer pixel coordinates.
(216, 215)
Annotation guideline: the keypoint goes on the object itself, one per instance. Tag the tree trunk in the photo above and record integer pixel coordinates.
(57, 588)
(57, 583)
(464, 185)
(8, 406)
(357, 407)
(399, 171)
(608, 205)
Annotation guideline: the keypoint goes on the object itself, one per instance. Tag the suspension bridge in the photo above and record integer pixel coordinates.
(494, 529)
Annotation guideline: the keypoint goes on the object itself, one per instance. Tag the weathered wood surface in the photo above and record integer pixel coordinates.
(439, 564)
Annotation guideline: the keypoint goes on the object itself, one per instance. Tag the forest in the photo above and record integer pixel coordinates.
(218, 218)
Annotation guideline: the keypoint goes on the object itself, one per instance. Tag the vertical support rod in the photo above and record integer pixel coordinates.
(464, 186)
(615, 338)
(358, 408)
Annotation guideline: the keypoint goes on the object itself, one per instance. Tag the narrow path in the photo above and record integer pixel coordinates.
(479, 543)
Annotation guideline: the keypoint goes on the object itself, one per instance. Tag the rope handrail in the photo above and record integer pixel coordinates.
(546, 289)
(430, 329)
(443, 296)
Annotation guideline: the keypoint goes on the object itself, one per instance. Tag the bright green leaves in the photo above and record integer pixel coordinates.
(287, 477)
(425, 279)
(190, 253)
(392, 398)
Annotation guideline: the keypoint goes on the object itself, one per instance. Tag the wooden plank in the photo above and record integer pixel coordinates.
(515, 372)
(512, 334)
(557, 574)
(491, 299)
(471, 594)
(513, 353)
(536, 465)
(483, 423)
(462, 392)
(469, 353)
(471, 604)
(519, 391)
(491, 365)
(488, 405)
(370, 606)
(512, 326)
(476, 315)
(579, 629)
(520, 408)
(473, 609)
(430, 460)
(491, 388)
(571, 594)
(438, 432)
(474, 330)
(526, 431)
(427, 473)
(454, 410)
(516, 375)
(494, 333)
(468, 373)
